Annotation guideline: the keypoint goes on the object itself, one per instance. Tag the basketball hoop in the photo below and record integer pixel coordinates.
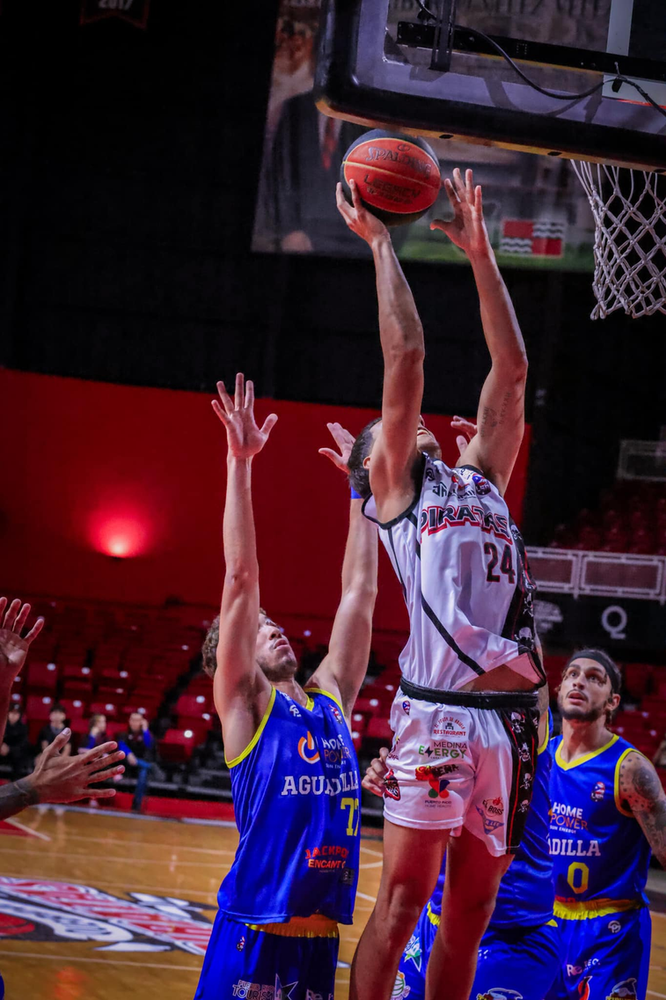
(630, 244)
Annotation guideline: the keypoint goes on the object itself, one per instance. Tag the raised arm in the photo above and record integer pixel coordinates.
(641, 791)
(401, 335)
(240, 689)
(501, 412)
(343, 668)
(13, 650)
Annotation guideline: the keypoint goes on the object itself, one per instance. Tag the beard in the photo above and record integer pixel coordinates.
(280, 668)
(580, 714)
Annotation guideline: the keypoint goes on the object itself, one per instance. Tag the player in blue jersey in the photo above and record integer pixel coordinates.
(519, 955)
(294, 773)
(608, 810)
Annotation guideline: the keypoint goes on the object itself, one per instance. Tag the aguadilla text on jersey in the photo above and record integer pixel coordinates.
(296, 792)
(461, 563)
(599, 852)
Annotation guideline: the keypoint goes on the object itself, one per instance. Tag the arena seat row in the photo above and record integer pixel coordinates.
(626, 520)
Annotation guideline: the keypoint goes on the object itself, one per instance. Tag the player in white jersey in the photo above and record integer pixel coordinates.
(465, 716)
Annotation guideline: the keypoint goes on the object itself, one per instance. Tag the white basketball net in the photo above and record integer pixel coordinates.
(630, 242)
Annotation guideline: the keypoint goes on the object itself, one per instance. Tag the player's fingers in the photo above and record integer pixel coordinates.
(97, 793)
(34, 631)
(220, 412)
(12, 612)
(103, 750)
(21, 618)
(478, 199)
(268, 424)
(451, 193)
(342, 203)
(356, 198)
(240, 390)
(3, 605)
(461, 442)
(96, 776)
(458, 183)
(249, 394)
(54, 748)
(469, 185)
(371, 784)
(226, 399)
(383, 753)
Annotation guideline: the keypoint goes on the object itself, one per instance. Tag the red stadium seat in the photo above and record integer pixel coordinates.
(380, 729)
(42, 676)
(192, 704)
(74, 707)
(108, 708)
(177, 745)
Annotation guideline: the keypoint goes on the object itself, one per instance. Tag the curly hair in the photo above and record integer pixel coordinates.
(210, 644)
(359, 477)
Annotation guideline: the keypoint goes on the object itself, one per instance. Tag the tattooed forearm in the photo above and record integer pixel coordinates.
(641, 790)
(15, 797)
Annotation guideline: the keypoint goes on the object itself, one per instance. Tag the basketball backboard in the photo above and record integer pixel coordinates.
(375, 67)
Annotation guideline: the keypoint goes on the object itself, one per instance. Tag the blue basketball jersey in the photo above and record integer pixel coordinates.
(525, 896)
(598, 849)
(296, 798)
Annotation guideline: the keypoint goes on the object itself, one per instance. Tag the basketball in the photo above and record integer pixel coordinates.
(397, 176)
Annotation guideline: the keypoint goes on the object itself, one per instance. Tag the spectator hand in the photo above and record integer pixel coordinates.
(373, 780)
(14, 647)
(345, 443)
(58, 778)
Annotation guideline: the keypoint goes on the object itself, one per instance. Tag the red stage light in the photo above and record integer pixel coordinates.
(119, 536)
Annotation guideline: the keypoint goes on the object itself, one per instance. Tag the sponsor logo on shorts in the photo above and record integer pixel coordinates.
(307, 749)
(413, 951)
(491, 812)
(481, 485)
(448, 725)
(311, 995)
(578, 970)
(584, 988)
(615, 927)
(598, 792)
(444, 749)
(246, 990)
(400, 988)
(391, 786)
(406, 707)
(328, 856)
(626, 990)
(434, 777)
(499, 993)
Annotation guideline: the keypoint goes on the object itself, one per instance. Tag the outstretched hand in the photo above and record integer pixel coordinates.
(244, 438)
(345, 443)
(467, 228)
(467, 430)
(13, 646)
(60, 778)
(359, 219)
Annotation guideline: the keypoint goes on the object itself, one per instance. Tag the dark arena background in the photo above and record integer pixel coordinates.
(147, 162)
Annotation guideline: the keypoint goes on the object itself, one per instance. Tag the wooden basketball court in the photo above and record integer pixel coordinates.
(96, 905)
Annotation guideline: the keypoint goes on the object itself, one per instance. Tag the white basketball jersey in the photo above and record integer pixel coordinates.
(463, 570)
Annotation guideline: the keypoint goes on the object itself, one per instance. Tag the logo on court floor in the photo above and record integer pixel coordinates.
(34, 910)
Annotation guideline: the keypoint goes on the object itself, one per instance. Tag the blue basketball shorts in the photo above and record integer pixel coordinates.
(249, 964)
(604, 957)
(518, 964)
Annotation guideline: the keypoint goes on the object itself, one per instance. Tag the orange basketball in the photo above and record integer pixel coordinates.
(397, 176)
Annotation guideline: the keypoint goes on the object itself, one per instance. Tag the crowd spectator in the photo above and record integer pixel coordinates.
(57, 719)
(139, 747)
(659, 759)
(15, 747)
(96, 732)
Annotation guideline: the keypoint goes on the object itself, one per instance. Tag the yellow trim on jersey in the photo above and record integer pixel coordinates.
(585, 909)
(434, 918)
(552, 923)
(257, 736)
(328, 695)
(546, 739)
(625, 812)
(316, 926)
(566, 766)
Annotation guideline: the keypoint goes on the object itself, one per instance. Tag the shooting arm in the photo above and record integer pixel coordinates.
(501, 414)
(342, 670)
(401, 335)
(641, 790)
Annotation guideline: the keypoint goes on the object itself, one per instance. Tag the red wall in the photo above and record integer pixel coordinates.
(79, 456)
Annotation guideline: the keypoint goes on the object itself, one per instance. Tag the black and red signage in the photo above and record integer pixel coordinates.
(134, 11)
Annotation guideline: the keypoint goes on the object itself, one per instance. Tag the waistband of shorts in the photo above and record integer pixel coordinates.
(434, 918)
(584, 909)
(471, 699)
(316, 926)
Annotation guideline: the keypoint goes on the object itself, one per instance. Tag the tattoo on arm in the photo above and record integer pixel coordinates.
(15, 797)
(641, 790)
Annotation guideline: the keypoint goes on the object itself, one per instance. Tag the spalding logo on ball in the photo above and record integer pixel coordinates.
(397, 176)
